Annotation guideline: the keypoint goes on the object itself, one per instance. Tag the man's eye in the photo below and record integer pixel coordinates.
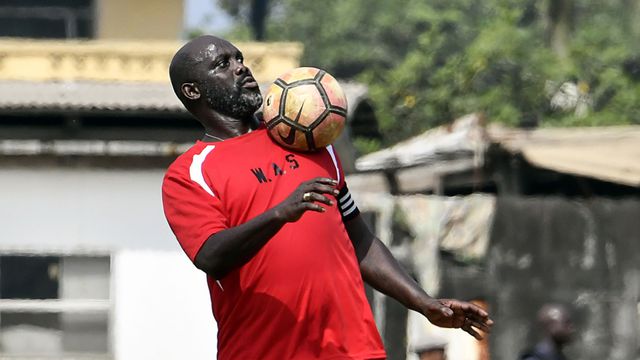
(240, 59)
(222, 64)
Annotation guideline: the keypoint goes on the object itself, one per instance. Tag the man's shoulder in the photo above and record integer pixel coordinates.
(531, 354)
(539, 352)
(220, 152)
(185, 157)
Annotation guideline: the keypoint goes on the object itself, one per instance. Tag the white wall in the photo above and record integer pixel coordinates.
(75, 209)
(162, 308)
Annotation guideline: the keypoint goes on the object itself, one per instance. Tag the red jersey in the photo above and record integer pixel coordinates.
(301, 296)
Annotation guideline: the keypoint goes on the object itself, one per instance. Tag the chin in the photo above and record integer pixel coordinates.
(255, 97)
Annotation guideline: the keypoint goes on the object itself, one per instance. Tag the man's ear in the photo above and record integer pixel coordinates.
(190, 91)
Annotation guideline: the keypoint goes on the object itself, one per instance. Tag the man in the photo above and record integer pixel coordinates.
(277, 232)
(558, 332)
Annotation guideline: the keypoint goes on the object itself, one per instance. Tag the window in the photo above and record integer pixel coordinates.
(47, 19)
(54, 306)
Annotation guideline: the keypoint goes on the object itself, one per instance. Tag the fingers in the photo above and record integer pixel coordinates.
(467, 308)
(311, 197)
(479, 324)
(324, 180)
(308, 196)
(322, 189)
(474, 318)
(315, 189)
(471, 331)
(321, 185)
(470, 327)
(470, 310)
(313, 207)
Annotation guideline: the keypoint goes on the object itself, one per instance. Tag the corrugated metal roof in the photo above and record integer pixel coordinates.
(92, 148)
(464, 138)
(115, 96)
(27, 95)
(607, 153)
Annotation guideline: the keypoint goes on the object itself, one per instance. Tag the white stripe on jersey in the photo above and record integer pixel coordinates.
(195, 170)
(335, 162)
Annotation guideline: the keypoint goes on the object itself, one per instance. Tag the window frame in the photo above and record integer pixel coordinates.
(65, 306)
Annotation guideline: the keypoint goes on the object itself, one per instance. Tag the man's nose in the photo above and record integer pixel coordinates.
(240, 68)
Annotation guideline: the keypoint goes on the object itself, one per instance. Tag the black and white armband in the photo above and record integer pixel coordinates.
(348, 207)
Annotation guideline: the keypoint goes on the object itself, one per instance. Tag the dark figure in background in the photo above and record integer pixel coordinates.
(278, 234)
(558, 330)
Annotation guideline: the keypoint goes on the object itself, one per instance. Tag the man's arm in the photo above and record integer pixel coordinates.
(233, 247)
(383, 272)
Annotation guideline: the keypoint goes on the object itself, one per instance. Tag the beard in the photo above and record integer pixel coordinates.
(237, 102)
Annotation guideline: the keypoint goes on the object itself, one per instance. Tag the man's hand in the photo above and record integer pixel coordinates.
(456, 314)
(306, 197)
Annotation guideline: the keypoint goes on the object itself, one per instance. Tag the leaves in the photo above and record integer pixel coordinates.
(427, 63)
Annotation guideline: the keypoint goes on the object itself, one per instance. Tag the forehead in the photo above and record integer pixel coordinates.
(214, 49)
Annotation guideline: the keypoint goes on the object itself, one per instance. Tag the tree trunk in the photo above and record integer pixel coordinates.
(631, 10)
(560, 15)
(258, 17)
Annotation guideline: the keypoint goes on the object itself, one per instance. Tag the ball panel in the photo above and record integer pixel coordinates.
(301, 73)
(334, 91)
(325, 131)
(303, 104)
(271, 107)
(289, 136)
(305, 109)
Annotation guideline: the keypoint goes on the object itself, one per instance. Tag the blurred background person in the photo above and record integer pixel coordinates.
(558, 329)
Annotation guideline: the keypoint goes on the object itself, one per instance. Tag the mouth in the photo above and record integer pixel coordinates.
(249, 83)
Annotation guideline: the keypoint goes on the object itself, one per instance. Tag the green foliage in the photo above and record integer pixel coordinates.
(427, 63)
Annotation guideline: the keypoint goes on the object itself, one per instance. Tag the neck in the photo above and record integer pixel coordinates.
(211, 138)
(555, 343)
(220, 127)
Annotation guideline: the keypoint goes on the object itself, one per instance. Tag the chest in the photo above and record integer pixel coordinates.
(254, 182)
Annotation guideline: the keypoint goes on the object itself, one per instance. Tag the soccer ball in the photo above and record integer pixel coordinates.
(305, 109)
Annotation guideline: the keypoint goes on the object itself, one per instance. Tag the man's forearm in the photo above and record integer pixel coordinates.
(231, 248)
(234, 247)
(383, 272)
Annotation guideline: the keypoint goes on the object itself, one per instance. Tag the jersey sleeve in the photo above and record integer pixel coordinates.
(193, 213)
(346, 204)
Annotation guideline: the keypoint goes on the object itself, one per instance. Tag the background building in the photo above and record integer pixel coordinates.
(512, 218)
(88, 122)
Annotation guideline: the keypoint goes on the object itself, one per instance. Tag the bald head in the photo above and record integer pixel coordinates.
(209, 76)
(556, 321)
(185, 63)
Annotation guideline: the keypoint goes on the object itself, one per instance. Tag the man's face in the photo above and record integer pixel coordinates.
(563, 331)
(226, 83)
(560, 326)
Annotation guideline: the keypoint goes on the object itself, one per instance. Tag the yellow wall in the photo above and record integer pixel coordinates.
(140, 19)
(108, 60)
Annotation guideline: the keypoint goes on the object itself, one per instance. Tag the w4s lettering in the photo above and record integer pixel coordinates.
(275, 170)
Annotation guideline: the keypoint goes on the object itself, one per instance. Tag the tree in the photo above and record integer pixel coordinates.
(560, 13)
(427, 63)
(255, 12)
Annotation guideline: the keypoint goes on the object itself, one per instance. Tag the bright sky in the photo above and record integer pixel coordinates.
(207, 15)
